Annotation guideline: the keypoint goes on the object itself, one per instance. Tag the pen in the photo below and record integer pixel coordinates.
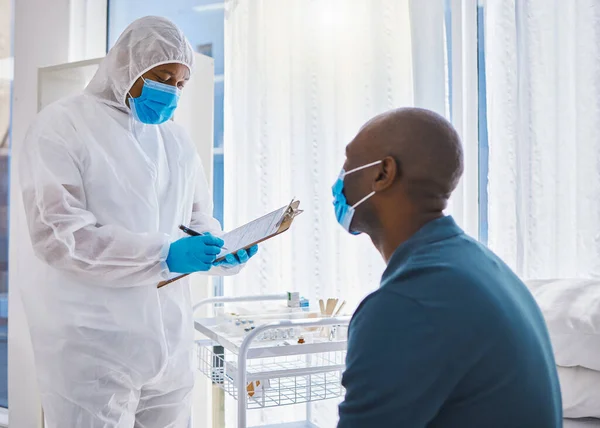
(192, 232)
(188, 231)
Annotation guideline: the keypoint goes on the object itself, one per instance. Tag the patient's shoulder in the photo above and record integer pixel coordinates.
(384, 307)
(422, 278)
(445, 292)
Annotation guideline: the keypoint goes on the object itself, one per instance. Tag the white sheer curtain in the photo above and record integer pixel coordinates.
(301, 77)
(543, 80)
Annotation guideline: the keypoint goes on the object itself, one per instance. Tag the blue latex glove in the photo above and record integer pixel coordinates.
(239, 258)
(194, 254)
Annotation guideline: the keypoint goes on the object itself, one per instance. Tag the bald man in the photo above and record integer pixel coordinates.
(452, 338)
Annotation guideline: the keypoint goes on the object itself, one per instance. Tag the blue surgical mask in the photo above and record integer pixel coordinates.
(344, 212)
(156, 104)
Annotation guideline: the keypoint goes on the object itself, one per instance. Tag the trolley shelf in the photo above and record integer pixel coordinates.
(262, 374)
(272, 348)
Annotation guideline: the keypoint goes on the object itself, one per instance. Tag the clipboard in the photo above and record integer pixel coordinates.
(283, 218)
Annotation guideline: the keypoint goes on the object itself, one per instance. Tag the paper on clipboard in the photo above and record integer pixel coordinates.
(259, 230)
(255, 232)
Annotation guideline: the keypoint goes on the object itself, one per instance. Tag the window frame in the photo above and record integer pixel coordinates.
(464, 91)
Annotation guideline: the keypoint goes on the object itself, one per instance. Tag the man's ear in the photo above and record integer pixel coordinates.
(387, 173)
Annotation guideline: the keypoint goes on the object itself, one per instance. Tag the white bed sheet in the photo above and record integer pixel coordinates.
(580, 388)
(581, 423)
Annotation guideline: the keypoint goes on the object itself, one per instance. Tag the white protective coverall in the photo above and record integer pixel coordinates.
(104, 195)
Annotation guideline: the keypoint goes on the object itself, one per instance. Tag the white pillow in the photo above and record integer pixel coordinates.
(580, 390)
(572, 312)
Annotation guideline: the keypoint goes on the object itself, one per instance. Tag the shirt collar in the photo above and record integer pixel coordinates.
(434, 231)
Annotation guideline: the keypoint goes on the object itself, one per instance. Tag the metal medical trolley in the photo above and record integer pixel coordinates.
(261, 373)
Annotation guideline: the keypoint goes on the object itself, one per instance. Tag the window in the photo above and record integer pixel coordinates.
(467, 59)
(6, 70)
(483, 131)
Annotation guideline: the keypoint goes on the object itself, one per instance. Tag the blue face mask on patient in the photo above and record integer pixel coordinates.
(344, 213)
(156, 103)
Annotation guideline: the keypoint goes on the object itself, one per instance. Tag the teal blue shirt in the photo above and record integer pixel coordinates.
(451, 339)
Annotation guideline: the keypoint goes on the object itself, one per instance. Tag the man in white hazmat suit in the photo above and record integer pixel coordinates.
(107, 179)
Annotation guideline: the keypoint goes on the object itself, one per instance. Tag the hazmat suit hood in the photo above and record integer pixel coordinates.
(145, 43)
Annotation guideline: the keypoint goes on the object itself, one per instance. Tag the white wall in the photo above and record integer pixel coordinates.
(43, 35)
